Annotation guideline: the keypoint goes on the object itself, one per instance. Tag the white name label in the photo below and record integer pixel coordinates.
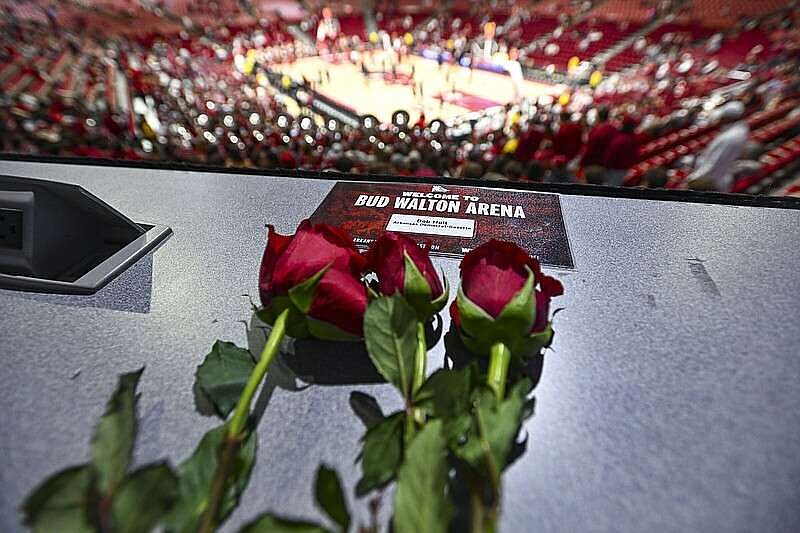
(450, 227)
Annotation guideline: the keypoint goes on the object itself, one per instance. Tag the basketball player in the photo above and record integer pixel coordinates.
(489, 44)
(514, 70)
(328, 29)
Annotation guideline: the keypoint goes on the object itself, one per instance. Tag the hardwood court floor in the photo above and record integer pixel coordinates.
(475, 89)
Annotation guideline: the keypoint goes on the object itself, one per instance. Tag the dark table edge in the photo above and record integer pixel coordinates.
(668, 195)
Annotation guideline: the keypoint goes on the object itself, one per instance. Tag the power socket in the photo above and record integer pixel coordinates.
(11, 221)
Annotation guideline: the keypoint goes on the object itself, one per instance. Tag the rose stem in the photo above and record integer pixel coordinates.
(420, 363)
(499, 358)
(413, 415)
(235, 434)
(421, 358)
(484, 519)
(271, 348)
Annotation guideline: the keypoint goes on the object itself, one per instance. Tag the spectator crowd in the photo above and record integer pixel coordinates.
(204, 94)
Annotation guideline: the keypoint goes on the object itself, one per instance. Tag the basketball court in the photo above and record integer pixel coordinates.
(447, 91)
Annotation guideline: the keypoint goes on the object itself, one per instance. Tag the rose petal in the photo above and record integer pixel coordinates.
(455, 315)
(548, 288)
(386, 258)
(493, 273)
(312, 249)
(340, 300)
(276, 246)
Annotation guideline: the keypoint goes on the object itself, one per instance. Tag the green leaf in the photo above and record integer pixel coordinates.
(390, 332)
(421, 502)
(268, 523)
(456, 428)
(494, 430)
(519, 314)
(302, 295)
(473, 317)
(446, 393)
(114, 436)
(223, 374)
(143, 498)
(417, 290)
(330, 497)
(366, 408)
(195, 475)
(439, 303)
(533, 344)
(382, 453)
(60, 503)
(296, 325)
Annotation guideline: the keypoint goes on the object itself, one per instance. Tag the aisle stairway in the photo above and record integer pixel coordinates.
(612, 58)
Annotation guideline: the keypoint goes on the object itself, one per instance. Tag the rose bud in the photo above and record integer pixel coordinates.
(316, 274)
(403, 266)
(504, 298)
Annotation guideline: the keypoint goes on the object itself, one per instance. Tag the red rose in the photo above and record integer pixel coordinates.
(316, 274)
(548, 288)
(499, 300)
(403, 266)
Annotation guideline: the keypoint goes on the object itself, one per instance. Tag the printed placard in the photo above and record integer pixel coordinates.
(448, 227)
(451, 220)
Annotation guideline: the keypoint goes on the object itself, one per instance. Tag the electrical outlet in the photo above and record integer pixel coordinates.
(11, 228)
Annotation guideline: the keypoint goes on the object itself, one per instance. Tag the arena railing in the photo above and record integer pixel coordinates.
(581, 189)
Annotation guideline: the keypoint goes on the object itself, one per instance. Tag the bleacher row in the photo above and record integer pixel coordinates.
(607, 25)
(61, 73)
(766, 126)
(781, 157)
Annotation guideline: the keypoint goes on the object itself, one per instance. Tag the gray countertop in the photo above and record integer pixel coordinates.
(670, 401)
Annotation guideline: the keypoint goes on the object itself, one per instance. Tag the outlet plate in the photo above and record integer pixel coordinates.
(11, 224)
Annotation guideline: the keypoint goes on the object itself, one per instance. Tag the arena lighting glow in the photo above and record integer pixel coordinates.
(739, 75)
(370, 121)
(400, 118)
